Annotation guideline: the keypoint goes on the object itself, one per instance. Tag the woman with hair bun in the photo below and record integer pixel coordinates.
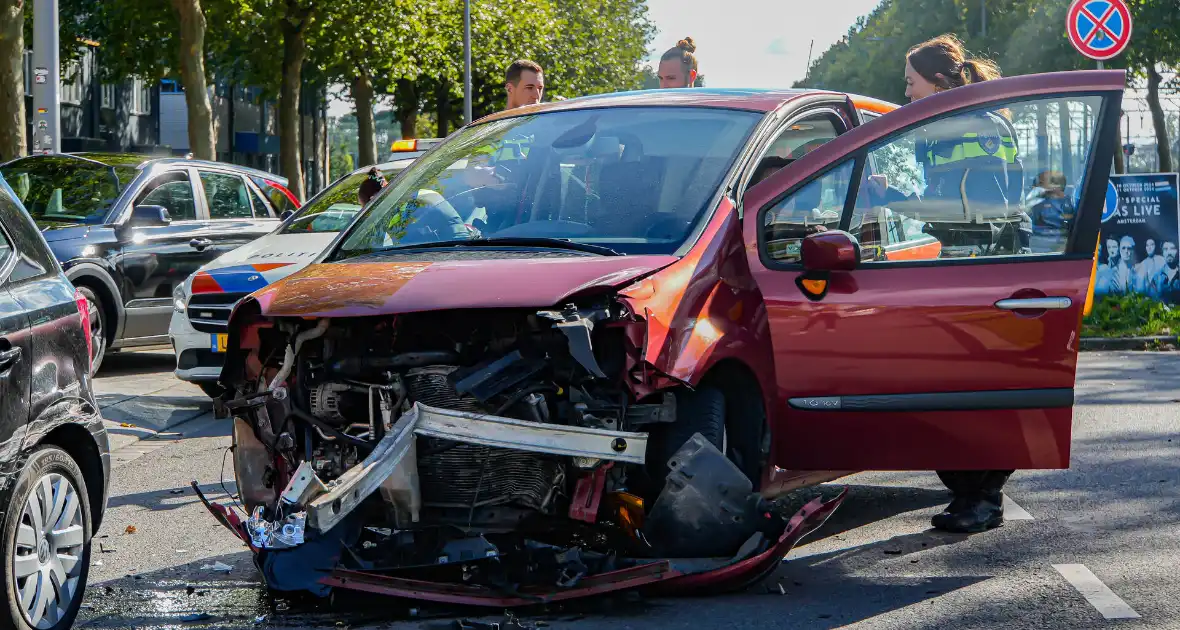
(976, 156)
(678, 66)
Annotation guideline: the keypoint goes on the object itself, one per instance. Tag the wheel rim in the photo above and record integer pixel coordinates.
(47, 560)
(98, 339)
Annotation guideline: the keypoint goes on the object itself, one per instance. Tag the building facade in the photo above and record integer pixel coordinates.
(138, 117)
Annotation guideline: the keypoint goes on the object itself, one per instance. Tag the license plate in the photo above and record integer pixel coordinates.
(219, 342)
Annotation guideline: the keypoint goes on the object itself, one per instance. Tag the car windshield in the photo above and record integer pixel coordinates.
(333, 209)
(58, 188)
(636, 180)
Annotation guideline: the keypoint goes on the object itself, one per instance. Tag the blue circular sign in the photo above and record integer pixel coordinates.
(1112, 202)
(1099, 29)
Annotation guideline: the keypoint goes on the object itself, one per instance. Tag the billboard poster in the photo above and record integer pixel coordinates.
(1139, 238)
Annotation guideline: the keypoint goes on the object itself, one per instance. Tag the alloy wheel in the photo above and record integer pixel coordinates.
(46, 562)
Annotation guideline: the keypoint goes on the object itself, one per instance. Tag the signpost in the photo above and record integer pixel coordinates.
(1099, 29)
(46, 78)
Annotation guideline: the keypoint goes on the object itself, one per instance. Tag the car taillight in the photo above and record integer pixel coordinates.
(84, 313)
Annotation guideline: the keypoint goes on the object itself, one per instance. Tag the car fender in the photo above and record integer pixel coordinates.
(95, 271)
(698, 312)
(64, 424)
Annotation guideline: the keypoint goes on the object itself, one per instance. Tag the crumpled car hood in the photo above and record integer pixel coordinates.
(384, 288)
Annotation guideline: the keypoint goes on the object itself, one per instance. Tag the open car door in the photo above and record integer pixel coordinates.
(951, 342)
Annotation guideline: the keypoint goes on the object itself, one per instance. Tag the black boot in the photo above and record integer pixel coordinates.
(970, 514)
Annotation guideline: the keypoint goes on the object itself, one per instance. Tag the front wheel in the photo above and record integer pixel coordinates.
(46, 538)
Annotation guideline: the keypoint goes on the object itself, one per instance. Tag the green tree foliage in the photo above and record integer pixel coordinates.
(1023, 36)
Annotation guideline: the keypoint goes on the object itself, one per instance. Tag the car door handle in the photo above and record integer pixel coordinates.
(1035, 304)
(8, 358)
(200, 243)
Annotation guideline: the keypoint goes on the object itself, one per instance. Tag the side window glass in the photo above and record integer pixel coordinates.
(174, 192)
(994, 182)
(278, 199)
(227, 195)
(5, 248)
(260, 207)
(797, 140)
(815, 207)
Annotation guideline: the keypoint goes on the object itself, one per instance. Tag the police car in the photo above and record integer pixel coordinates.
(201, 305)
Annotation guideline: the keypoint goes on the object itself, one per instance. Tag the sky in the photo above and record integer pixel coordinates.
(754, 43)
(743, 43)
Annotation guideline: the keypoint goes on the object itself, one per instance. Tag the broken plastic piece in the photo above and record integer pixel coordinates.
(304, 486)
(708, 507)
(588, 495)
(282, 534)
(219, 567)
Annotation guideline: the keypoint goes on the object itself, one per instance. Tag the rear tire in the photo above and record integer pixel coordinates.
(98, 327)
(46, 546)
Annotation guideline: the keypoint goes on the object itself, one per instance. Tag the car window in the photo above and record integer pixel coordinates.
(5, 249)
(634, 179)
(174, 191)
(57, 189)
(280, 200)
(800, 138)
(334, 208)
(227, 196)
(816, 206)
(261, 207)
(970, 181)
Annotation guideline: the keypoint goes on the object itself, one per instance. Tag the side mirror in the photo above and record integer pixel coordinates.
(287, 214)
(830, 250)
(150, 216)
(822, 253)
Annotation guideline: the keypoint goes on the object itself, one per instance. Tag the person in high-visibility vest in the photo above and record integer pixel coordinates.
(976, 155)
(971, 158)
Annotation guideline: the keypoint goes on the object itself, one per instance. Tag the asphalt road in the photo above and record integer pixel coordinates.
(876, 564)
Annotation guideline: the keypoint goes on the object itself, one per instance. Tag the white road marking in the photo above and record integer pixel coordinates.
(1099, 595)
(1013, 511)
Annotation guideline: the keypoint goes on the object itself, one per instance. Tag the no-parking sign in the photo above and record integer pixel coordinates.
(1099, 29)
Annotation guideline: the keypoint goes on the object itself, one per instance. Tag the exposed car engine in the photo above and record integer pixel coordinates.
(504, 439)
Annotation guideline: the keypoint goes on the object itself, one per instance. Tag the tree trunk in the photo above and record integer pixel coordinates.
(294, 50)
(1063, 121)
(202, 140)
(1158, 121)
(362, 97)
(12, 85)
(442, 97)
(405, 101)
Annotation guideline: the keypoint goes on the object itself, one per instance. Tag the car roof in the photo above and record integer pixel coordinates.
(141, 162)
(749, 99)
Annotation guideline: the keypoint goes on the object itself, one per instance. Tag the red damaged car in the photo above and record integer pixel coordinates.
(590, 345)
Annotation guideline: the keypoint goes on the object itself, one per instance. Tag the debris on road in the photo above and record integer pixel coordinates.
(130, 529)
(219, 567)
(196, 617)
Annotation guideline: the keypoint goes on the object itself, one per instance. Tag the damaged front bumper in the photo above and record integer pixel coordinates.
(700, 491)
(392, 466)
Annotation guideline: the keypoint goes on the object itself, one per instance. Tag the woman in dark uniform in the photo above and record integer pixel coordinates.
(978, 157)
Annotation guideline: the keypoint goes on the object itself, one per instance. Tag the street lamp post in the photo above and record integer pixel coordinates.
(46, 78)
(467, 61)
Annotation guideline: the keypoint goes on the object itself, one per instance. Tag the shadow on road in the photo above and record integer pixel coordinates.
(140, 362)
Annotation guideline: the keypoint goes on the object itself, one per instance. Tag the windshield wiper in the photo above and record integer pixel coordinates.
(519, 241)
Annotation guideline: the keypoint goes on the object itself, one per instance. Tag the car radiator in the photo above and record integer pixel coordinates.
(457, 475)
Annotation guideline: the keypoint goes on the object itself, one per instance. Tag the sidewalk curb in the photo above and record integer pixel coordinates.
(1127, 343)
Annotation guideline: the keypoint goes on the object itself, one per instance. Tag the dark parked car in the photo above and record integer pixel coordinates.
(128, 229)
(54, 453)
